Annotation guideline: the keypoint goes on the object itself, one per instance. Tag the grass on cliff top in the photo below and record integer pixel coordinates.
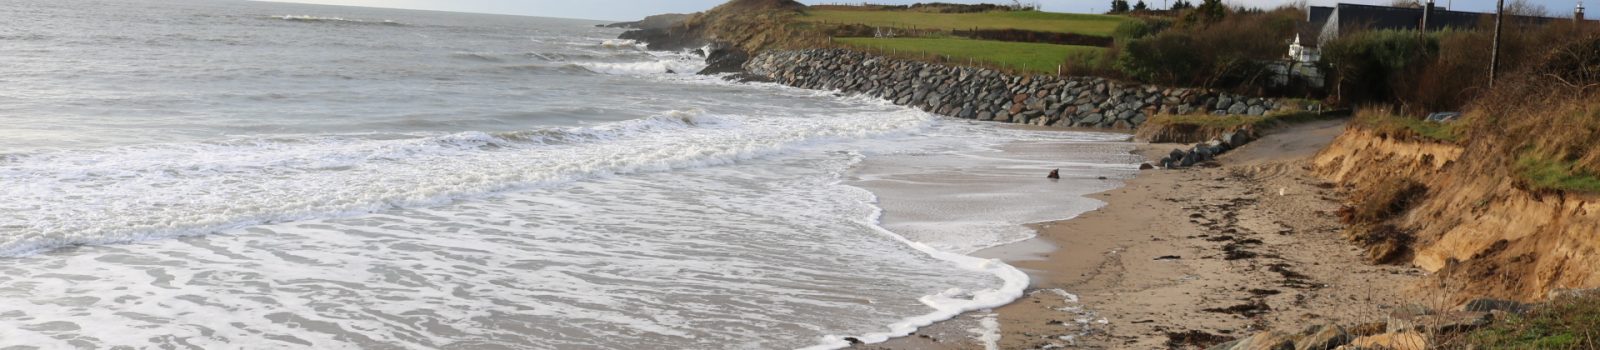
(1027, 57)
(1544, 173)
(1297, 114)
(1380, 121)
(1101, 25)
(1571, 322)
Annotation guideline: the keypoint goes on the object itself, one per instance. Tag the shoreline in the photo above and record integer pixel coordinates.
(1187, 258)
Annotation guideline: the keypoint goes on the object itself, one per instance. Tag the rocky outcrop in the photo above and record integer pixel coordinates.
(985, 94)
(662, 21)
(737, 27)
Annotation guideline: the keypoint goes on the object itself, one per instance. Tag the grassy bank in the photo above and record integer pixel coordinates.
(1381, 121)
(1026, 57)
(1101, 25)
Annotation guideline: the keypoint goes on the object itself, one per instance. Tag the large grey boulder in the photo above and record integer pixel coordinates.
(1239, 107)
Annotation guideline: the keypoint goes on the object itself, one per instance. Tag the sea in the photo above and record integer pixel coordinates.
(190, 174)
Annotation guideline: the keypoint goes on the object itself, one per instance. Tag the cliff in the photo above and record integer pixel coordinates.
(1481, 232)
(733, 30)
(1504, 202)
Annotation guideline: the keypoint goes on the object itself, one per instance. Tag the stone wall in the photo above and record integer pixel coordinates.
(985, 94)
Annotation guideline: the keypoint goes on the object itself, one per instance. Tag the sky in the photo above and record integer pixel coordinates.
(627, 10)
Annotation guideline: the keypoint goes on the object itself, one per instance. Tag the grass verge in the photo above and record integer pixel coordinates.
(1548, 174)
(1376, 120)
(1101, 25)
(1571, 322)
(1027, 57)
(1238, 121)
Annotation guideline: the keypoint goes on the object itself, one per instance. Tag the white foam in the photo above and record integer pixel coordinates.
(152, 191)
(988, 331)
(662, 66)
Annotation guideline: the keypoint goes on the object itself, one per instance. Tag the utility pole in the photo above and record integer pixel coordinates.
(1494, 56)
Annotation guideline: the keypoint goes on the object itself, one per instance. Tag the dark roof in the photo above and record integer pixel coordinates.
(1330, 22)
(1354, 17)
(1318, 15)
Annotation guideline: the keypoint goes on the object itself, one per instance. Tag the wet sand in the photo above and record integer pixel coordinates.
(1185, 258)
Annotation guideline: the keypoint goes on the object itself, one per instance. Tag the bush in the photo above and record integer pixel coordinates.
(1543, 121)
(1227, 53)
(1440, 71)
(1367, 65)
(1140, 28)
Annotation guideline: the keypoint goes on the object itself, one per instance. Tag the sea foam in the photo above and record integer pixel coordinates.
(132, 193)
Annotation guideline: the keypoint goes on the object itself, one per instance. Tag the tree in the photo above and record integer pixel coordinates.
(1209, 11)
(1140, 6)
(1181, 5)
(1119, 6)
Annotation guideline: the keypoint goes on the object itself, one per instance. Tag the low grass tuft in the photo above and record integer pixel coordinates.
(1543, 173)
(1380, 121)
(1569, 322)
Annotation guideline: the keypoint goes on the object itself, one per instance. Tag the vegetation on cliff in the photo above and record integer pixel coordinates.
(1101, 25)
(1027, 57)
(1505, 193)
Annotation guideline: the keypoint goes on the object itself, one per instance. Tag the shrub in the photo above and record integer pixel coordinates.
(1542, 123)
(1439, 71)
(1227, 53)
(1367, 64)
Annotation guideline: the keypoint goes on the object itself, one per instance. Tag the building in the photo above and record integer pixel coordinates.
(1328, 23)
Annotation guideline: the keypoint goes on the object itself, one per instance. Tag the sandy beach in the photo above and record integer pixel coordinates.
(1180, 258)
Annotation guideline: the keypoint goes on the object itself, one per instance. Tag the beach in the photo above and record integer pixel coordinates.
(1177, 256)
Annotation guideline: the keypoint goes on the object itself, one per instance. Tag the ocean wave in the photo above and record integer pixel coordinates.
(623, 43)
(546, 68)
(642, 68)
(336, 20)
(24, 37)
(133, 193)
(477, 56)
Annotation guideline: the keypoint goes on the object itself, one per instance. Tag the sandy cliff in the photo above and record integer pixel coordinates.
(1478, 229)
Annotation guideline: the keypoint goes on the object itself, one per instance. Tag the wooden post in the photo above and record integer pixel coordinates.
(1494, 55)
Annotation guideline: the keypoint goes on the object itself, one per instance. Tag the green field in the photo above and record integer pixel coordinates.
(1101, 25)
(1032, 57)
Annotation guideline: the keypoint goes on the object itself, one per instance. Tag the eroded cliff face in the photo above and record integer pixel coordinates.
(746, 26)
(1477, 228)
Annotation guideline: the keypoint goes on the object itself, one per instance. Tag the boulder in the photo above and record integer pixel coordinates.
(1258, 110)
(1392, 341)
(1322, 337)
(1176, 154)
(1223, 102)
(1146, 166)
(1204, 153)
(1262, 341)
(1239, 107)
(1238, 139)
(1093, 119)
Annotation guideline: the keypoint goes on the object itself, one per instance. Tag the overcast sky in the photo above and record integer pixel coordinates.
(635, 9)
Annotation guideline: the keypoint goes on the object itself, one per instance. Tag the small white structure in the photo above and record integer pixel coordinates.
(1301, 65)
(1302, 54)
